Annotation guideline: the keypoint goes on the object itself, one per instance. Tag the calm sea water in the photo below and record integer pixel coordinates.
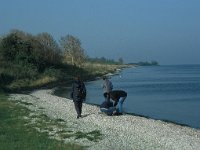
(160, 92)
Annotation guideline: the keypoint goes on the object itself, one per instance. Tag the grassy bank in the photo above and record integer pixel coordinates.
(53, 76)
(23, 129)
(16, 133)
(98, 69)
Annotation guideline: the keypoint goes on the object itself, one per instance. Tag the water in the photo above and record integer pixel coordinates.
(160, 92)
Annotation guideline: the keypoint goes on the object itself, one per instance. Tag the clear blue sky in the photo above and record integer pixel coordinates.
(136, 30)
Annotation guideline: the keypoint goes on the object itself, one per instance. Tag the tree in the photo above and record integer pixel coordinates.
(9, 47)
(1, 57)
(50, 47)
(23, 35)
(73, 50)
(48, 40)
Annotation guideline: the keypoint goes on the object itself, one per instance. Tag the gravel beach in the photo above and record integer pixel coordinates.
(126, 132)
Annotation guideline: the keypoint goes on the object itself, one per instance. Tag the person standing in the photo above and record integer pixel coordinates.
(118, 96)
(78, 95)
(107, 88)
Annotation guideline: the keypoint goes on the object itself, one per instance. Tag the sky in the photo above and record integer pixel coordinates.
(167, 31)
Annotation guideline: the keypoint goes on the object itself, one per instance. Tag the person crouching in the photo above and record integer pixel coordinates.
(107, 108)
(118, 96)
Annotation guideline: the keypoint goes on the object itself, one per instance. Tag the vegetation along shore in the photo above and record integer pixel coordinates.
(29, 62)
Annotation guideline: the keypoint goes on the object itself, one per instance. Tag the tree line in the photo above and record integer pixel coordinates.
(26, 56)
(146, 63)
(43, 50)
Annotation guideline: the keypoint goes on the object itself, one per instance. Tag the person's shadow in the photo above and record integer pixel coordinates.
(83, 116)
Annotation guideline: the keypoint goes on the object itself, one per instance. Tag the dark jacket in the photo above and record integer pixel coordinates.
(117, 94)
(78, 91)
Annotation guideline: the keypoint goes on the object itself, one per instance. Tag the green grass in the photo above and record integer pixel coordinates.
(17, 132)
(23, 129)
(101, 69)
(12, 81)
(92, 136)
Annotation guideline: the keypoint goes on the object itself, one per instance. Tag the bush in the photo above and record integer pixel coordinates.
(5, 78)
(20, 71)
(26, 49)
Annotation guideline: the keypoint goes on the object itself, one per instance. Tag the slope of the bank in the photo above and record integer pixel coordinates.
(119, 132)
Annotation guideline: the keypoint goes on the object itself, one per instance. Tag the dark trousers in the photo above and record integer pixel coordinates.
(78, 107)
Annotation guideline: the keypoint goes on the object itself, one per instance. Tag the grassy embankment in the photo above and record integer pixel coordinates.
(16, 131)
(19, 131)
(54, 76)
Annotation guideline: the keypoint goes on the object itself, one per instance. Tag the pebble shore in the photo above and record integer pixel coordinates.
(126, 132)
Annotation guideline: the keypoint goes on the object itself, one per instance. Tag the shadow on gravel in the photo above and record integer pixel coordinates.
(83, 116)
